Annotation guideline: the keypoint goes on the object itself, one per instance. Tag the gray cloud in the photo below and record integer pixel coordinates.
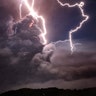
(55, 63)
(67, 66)
(78, 84)
(17, 50)
(63, 70)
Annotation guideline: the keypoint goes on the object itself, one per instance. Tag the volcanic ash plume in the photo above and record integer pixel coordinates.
(29, 29)
(23, 37)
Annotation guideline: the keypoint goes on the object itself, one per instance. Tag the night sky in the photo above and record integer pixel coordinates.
(25, 62)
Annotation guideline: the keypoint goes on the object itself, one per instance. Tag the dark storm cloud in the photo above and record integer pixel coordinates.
(54, 64)
(69, 67)
(22, 61)
(62, 68)
(18, 44)
(5, 22)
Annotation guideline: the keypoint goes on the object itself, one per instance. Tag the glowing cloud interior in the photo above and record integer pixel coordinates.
(36, 16)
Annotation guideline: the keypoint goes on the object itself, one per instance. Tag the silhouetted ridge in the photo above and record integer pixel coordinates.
(51, 92)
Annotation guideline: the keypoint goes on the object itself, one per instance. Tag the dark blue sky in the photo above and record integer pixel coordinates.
(63, 19)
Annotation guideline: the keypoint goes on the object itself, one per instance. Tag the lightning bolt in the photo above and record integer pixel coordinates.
(80, 6)
(44, 32)
(33, 13)
(20, 7)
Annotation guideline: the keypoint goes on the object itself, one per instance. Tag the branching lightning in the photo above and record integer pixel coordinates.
(44, 32)
(80, 6)
(36, 16)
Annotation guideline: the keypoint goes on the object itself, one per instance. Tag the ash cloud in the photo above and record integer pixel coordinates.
(79, 65)
(24, 63)
(19, 42)
(55, 66)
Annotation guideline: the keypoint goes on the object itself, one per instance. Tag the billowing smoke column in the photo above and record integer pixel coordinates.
(19, 41)
(27, 24)
(24, 37)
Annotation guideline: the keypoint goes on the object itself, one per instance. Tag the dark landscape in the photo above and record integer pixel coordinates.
(51, 92)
